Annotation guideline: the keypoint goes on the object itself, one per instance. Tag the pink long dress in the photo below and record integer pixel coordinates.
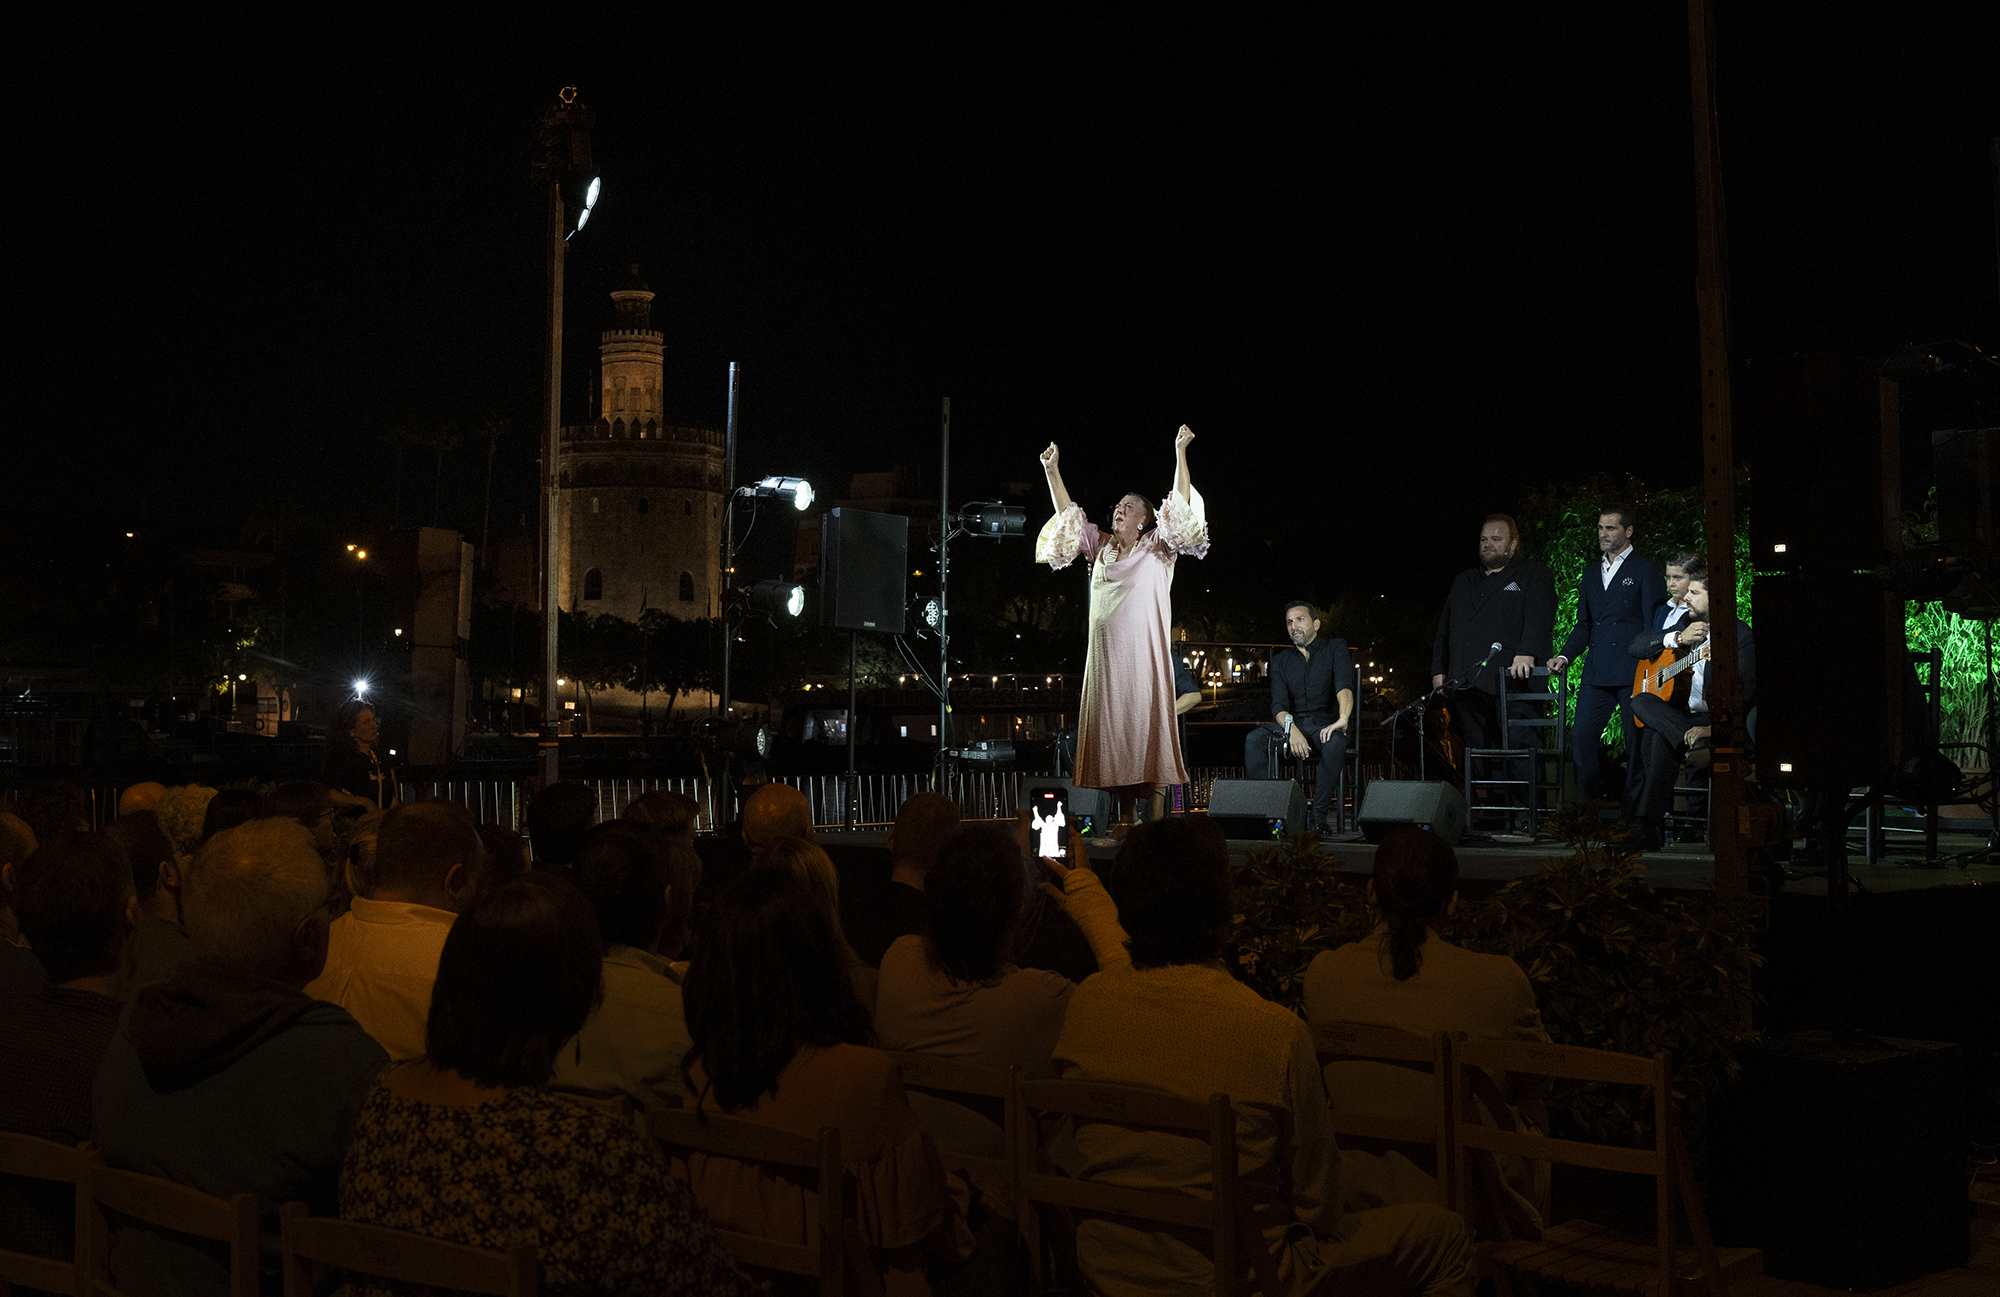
(1125, 732)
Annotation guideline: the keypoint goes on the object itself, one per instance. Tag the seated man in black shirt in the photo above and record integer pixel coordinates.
(1312, 702)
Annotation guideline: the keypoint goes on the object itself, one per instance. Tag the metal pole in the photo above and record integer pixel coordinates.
(944, 603)
(728, 580)
(1725, 690)
(853, 780)
(548, 744)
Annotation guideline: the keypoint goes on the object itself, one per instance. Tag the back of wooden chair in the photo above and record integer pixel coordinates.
(952, 1080)
(152, 1200)
(44, 1159)
(839, 1251)
(1226, 1214)
(382, 1253)
(1666, 1162)
(1350, 1041)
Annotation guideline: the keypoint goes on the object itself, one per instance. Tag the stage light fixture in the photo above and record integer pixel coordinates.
(796, 489)
(361, 688)
(990, 520)
(774, 597)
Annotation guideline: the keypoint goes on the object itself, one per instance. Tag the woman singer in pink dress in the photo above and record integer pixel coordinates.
(1126, 741)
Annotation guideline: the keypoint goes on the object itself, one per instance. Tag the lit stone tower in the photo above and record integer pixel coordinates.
(639, 511)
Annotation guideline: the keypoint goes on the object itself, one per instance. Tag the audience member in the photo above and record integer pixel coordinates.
(21, 974)
(673, 814)
(807, 860)
(141, 797)
(357, 869)
(352, 770)
(74, 901)
(229, 808)
(52, 808)
(781, 1040)
(683, 882)
(506, 855)
(182, 813)
(635, 1039)
(775, 811)
(1176, 1020)
(1407, 977)
(468, 1144)
(923, 823)
(227, 1076)
(307, 803)
(160, 946)
(383, 953)
(558, 817)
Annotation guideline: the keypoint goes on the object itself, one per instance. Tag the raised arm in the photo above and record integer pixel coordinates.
(1053, 471)
(1181, 483)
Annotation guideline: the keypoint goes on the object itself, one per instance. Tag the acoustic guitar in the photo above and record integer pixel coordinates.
(1656, 676)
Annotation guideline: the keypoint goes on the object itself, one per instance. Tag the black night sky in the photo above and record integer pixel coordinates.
(1392, 269)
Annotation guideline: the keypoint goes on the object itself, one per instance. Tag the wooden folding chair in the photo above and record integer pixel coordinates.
(1226, 1214)
(151, 1200)
(839, 1254)
(382, 1253)
(1579, 1252)
(1349, 1041)
(952, 1081)
(44, 1159)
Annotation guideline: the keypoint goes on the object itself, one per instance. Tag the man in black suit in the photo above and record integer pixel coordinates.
(1616, 599)
(1675, 726)
(1506, 600)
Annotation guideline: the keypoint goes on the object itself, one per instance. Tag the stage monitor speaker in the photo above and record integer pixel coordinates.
(1089, 808)
(1846, 1164)
(1830, 680)
(863, 562)
(1258, 809)
(1821, 436)
(1391, 803)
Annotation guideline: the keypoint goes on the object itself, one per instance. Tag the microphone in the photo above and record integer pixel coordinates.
(1491, 649)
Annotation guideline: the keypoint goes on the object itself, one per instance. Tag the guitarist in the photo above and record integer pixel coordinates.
(1678, 725)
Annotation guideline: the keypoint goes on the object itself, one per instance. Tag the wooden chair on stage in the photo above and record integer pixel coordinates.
(839, 1254)
(168, 1204)
(1524, 764)
(30, 1158)
(382, 1253)
(1579, 1252)
(1226, 1214)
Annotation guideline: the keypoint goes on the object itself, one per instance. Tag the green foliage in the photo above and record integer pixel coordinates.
(1615, 964)
(1968, 689)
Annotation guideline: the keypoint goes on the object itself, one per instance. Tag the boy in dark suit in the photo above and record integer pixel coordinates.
(1675, 726)
(1617, 598)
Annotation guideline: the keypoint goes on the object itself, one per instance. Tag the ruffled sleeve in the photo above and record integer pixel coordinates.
(1183, 527)
(1065, 537)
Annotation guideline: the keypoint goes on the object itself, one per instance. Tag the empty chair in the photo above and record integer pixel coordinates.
(382, 1253)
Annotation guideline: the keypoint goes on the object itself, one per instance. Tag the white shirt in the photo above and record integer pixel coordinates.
(1612, 563)
(381, 962)
(1698, 691)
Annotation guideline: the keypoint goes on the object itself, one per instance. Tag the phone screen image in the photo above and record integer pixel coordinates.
(1048, 816)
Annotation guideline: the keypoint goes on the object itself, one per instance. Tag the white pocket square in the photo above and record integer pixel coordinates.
(1511, 585)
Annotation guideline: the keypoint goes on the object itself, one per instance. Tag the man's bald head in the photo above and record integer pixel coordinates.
(776, 811)
(140, 797)
(17, 840)
(253, 897)
(923, 824)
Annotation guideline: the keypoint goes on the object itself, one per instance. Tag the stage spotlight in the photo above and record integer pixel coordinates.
(360, 688)
(796, 489)
(990, 520)
(933, 613)
(774, 597)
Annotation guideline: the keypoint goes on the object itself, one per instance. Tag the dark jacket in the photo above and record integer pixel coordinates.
(1647, 645)
(1514, 608)
(1606, 620)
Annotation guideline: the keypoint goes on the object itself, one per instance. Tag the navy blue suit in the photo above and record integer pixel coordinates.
(1606, 621)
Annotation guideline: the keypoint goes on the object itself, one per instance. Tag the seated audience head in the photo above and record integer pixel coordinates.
(17, 843)
(621, 869)
(1414, 888)
(255, 900)
(506, 855)
(558, 817)
(673, 814)
(1171, 883)
(229, 808)
(53, 808)
(151, 852)
(811, 863)
(73, 900)
(923, 823)
(974, 900)
(769, 979)
(775, 811)
(141, 797)
(182, 812)
(358, 870)
(520, 973)
(307, 802)
(427, 853)
(683, 881)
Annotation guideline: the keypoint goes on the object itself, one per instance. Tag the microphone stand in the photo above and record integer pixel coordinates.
(1422, 706)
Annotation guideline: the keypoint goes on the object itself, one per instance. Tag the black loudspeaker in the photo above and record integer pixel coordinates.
(1090, 809)
(863, 562)
(1821, 436)
(1257, 809)
(1845, 1164)
(1392, 803)
(1830, 680)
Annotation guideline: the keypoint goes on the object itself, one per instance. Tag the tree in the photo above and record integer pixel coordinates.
(672, 657)
(598, 652)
